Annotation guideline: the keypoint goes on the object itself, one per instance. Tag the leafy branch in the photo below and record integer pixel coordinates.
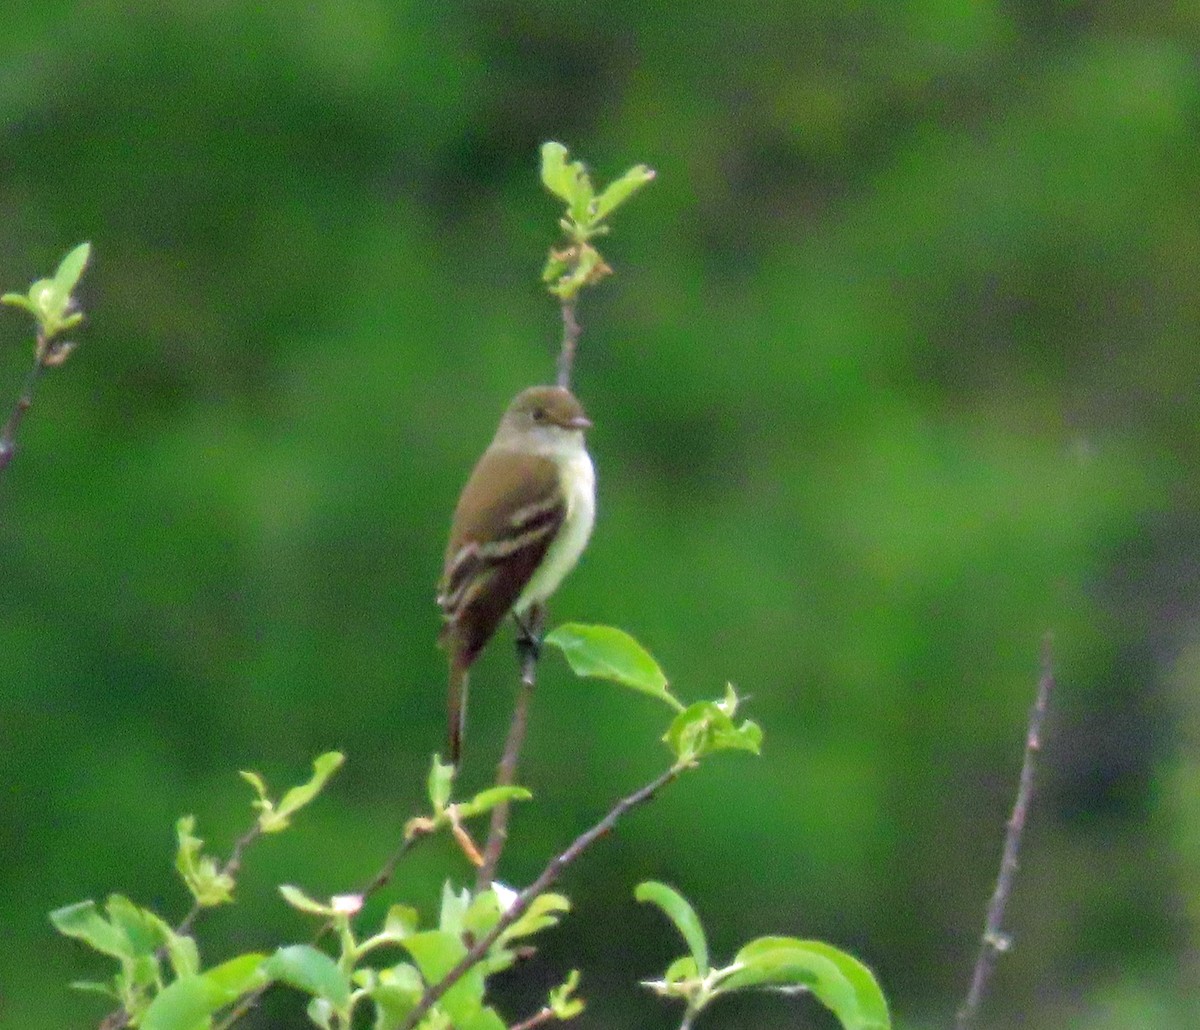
(55, 311)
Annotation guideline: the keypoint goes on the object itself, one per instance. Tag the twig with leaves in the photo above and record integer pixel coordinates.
(569, 269)
(994, 939)
(55, 312)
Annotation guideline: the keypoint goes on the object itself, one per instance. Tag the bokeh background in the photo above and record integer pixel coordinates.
(898, 372)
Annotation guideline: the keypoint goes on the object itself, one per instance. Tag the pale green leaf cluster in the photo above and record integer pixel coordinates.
(202, 874)
(580, 264)
(50, 301)
(273, 816)
(339, 986)
(137, 938)
(785, 964)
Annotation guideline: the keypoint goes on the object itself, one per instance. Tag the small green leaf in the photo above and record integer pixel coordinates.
(556, 176)
(94, 987)
(295, 799)
(485, 1018)
(183, 953)
(237, 976)
(488, 799)
(84, 922)
(441, 782)
(400, 921)
(561, 1002)
(435, 953)
(301, 902)
(17, 300)
(186, 1004)
(705, 727)
(454, 908)
(620, 190)
(70, 269)
(839, 981)
(543, 912)
(201, 873)
(611, 654)
(681, 970)
(681, 913)
(311, 971)
(395, 993)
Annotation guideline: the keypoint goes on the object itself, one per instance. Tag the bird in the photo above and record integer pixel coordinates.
(520, 525)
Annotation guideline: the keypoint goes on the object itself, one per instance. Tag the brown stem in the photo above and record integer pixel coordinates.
(570, 341)
(528, 645)
(8, 435)
(994, 939)
(536, 1020)
(545, 880)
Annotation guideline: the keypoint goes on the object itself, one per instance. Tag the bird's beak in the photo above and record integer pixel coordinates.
(578, 422)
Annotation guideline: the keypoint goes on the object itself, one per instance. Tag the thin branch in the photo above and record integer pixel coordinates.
(994, 939)
(570, 342)
(545, 880)
(536, 1020)
(8, 435)
(529, 648)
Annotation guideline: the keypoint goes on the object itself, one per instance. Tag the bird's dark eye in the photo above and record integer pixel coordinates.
(539, 414)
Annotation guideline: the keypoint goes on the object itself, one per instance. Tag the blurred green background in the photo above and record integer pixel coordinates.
(898, 372)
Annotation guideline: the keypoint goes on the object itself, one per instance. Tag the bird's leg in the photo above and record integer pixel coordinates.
(529, 633)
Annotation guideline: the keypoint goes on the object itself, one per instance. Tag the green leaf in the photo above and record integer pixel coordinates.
(611, 654)
(189, 1002)
(70, 269)
(561, 1002)
(488, 799)
(556, 175)
(484, 1019)
(17, 300)
(94, 987)
(84, 922)
(681, 913)
(400, 921)
(201, 873)
(186, 1004)
(311, 971)
(620, 190)
(542, 913)
(839, 981)
(395, 993)
(183, 953)
(237, 976)
(453, 913)
(706, 726)
(144, 930)
(301, 902)
(435, 953)
(295, 799)
(441, 781)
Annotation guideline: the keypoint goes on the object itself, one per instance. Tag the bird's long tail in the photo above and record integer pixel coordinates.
(456, 709)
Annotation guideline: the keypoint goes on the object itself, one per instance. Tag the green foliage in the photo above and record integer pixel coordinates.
(786, 964)
(50, 301)
(201, 873)
(611, 654)
(580, 264)
(274, 818)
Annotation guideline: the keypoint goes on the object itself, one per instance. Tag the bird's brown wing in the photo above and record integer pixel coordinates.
(509, 512)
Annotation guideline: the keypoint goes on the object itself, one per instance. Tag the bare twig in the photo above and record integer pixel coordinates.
(506, 771)
(570, 341)
(8, 435)
(545, 880)
(536, 1020)
(994, 939)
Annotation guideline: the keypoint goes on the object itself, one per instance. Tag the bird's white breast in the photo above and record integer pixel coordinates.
(579, 489)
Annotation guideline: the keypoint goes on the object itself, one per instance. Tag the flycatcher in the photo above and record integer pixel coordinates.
(521, 524)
